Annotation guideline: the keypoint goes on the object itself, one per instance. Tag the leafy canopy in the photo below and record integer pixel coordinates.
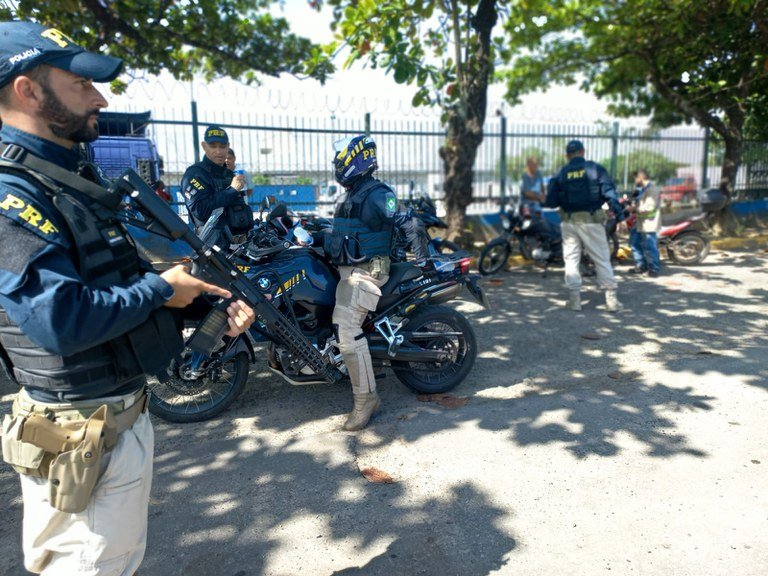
(423, 43)
(674, 60)
(216, 38)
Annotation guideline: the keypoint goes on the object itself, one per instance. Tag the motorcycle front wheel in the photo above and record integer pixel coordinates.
(194, 396)
(688, 248)
(438, 328)
(493, 257)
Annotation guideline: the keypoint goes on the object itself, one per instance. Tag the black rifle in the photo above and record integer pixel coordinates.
(209, 264)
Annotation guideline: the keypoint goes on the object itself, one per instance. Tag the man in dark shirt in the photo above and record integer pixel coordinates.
(209, 184)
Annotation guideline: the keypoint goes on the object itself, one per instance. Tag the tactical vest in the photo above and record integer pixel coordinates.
(353, 241)
(578, 189)
(105, 256)
(239, 217)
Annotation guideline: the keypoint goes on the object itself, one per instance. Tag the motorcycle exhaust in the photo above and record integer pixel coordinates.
(408, 354)
(445, 294)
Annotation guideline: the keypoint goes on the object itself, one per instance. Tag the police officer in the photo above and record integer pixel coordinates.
(580, 189)
(360, 245)
(80, 322)
(210, 184)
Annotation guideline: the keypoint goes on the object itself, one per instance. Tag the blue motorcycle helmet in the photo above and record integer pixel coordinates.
(354, 157)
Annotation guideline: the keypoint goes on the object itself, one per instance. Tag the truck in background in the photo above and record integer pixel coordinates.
(123, 143)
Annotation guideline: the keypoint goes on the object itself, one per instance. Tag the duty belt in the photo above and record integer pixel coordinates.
(56, 428)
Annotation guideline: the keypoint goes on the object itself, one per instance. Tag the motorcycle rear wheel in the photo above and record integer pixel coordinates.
(493, 257)
(688, 248)
(183, 400)
(438, 328)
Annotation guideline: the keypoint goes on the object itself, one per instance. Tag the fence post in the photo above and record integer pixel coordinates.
(614, 150)
(195, 132)
(367, 123)
(705, 160)
(503, 168)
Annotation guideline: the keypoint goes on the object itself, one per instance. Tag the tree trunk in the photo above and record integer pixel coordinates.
(725, 222)
(464, 122)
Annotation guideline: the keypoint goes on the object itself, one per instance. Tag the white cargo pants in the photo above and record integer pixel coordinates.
(109, 537)
(591, 237)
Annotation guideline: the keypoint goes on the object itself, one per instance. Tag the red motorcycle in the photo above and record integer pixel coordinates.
(684, 242)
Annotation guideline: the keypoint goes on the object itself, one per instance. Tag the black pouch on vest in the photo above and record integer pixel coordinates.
(156, 342)
(239, 218)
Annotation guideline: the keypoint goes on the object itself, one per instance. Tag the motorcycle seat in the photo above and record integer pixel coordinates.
(398, 272)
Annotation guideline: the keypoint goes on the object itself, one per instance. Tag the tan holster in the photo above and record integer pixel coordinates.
(64, 445)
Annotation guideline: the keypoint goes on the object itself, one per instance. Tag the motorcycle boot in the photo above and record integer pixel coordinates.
(612, 301)
(365, 406)
(574, 301)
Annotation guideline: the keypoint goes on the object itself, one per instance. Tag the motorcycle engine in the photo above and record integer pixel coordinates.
(540, 253)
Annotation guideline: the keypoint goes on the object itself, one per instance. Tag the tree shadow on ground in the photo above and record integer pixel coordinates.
(272, 486)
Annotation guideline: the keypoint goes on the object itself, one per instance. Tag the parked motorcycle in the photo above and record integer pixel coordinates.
(537, 239)
(683, 242)
(430, 347)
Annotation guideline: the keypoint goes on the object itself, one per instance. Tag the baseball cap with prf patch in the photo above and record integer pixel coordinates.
(215, 134)
(25, 45)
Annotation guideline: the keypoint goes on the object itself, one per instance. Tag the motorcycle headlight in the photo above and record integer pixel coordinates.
(506, 224)
(526, 224)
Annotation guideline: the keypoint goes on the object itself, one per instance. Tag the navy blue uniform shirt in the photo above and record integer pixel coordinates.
(206, 186)
(589, 170)
(40, 287)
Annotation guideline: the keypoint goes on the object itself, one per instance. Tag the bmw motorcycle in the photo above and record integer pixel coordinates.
(430, 347)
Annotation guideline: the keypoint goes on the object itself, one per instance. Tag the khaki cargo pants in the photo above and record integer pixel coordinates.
(109, 537)
(357, 293)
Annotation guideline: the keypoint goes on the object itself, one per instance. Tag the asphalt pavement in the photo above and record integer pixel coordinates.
(580, 444)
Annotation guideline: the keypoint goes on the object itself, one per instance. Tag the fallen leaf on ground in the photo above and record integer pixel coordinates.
(445, 400)
(591, 336)
(495, 282)
(376, 476)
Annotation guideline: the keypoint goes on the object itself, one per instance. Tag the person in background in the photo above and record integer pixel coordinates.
(580, 189)
(532, 189)
(82, 319)
(232, 165)
(162, 192)
(643, 236)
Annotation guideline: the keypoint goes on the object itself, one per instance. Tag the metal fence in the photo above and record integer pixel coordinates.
(295, 148)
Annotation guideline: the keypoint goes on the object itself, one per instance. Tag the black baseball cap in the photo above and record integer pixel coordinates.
(216, 134)
(574, 146)
(24, 45)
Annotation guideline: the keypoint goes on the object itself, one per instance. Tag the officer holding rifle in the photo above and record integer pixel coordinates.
(82, 320)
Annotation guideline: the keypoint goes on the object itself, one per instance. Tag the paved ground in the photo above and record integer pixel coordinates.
(591, 444)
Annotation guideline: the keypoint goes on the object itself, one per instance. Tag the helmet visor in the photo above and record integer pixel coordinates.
(342, 144)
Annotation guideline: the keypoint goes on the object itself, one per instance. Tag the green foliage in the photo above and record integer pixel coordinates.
(660, 168)
(416, 42)
(260, 179)
(215, 38)
(680, 60)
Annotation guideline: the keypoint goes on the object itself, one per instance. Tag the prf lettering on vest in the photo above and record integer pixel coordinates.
(575, 174)
(17, 208)
(369, 154)
(59, 37)
(197, 184)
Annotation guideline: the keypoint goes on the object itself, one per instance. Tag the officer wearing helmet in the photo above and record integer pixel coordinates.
(360, 245)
